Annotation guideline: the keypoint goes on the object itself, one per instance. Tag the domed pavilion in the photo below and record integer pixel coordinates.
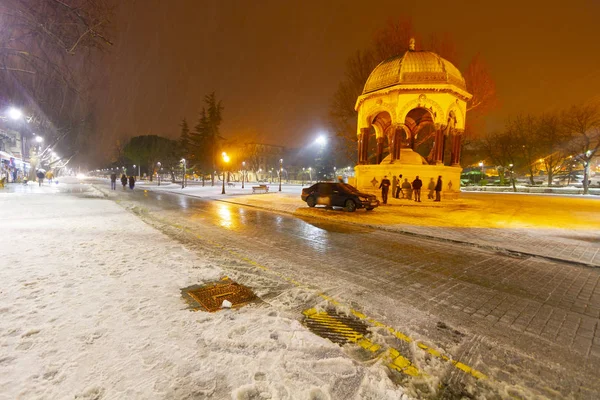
(411, 118)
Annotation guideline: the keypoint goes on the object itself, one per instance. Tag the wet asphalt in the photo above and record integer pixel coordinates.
(487, 309)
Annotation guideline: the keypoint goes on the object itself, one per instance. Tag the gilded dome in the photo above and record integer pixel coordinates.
(414, 68)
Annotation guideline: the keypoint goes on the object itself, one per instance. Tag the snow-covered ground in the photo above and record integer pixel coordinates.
(91, 308)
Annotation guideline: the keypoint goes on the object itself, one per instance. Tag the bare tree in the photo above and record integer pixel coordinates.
(551, 139)
(46, 48)
(502, 149)
(523, 130)
(583, 122)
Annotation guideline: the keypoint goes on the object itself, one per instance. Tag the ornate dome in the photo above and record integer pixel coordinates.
(414, 68)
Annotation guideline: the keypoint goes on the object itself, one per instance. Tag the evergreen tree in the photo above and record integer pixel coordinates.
(185, 141)
(205, 138)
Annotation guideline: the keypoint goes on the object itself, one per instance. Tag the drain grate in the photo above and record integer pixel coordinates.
(211, 296)
(338, 328)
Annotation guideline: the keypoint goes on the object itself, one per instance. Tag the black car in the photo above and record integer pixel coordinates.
(338, 195)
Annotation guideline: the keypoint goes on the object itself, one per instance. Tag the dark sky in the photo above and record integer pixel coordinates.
(275, 64)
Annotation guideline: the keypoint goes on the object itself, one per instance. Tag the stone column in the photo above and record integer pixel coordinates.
(456, 143)
(398, 143)
(363, 144)
(360, 147)
(379, 157)
(392, 144)
(439, 147)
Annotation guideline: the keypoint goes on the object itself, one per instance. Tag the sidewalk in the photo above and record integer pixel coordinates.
(91, 308)
(555, 227)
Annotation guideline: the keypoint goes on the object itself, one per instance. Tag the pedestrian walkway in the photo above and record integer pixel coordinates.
(563, 228)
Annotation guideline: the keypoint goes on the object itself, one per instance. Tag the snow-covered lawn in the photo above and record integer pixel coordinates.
(91, 308)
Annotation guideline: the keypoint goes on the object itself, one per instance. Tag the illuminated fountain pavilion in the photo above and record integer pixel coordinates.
(411, 118)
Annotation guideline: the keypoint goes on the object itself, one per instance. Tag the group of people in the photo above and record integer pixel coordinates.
(124, 180)
(41, 175)
(409, 189)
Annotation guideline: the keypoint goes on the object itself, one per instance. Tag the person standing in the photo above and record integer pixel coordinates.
(40, 175)
(416, 186)
(113, 181)
(394, 185)
(398, 188)
(123, 181)
(131, 182)
(406, 189)
(431, 188)
(385, 187)
(438, 189)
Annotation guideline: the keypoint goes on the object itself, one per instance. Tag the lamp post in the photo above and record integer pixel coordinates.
(280, 171)
(310, 174)
(512, 177)
(183, 177)
(243, 172)
(158, 164)
(482, 170)
(303, 172)
(225, 161)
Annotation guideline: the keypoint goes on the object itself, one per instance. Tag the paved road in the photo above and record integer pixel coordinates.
(531, 325)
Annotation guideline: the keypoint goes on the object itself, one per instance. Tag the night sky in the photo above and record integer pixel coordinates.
(276, 64)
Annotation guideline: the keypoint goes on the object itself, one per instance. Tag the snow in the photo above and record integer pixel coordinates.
(91, 308)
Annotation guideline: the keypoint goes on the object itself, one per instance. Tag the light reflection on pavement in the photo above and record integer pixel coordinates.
(503, 307)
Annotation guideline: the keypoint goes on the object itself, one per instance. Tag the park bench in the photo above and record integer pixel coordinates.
(260, 189)
(230, 184)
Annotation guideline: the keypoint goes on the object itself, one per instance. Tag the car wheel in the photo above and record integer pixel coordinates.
(370, 208)
(350, 206)
(311, 201)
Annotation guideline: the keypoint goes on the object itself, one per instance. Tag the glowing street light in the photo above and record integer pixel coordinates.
(225, 161)
(183, 177)
(280, 171)
(158, 164)
(243, 172)
(15, 113)
(321, 140)
(39, 139)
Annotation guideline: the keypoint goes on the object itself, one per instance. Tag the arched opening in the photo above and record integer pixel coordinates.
(373, 143)
(382, 123)
(420, 132)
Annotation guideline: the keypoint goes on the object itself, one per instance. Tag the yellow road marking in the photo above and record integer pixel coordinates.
(344, 330)
(398, 362)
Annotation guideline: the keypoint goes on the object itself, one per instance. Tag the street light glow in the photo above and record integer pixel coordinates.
(15, 113)
(321, 140)
(39, 139)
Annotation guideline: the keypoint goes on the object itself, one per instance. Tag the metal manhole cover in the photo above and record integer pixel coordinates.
(210, 296)
(338, 328)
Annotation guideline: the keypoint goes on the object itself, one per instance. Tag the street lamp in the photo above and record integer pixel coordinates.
(15, 113)
(39, 139)
(280, 171)
(321, 140)
(482, 170)
(303, 172)
(225, 161)
(158, 164)
(139, 173)
(243, 172)
(183, 177)
(310, 174)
